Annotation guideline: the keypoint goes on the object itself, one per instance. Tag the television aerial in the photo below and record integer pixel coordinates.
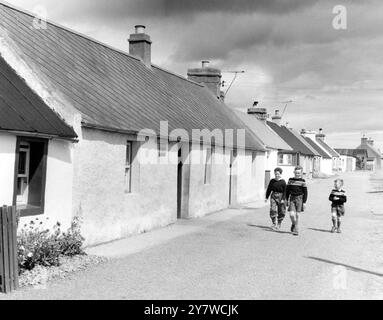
(232, 81)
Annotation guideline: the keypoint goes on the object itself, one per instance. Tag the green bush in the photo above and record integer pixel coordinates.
(38, 246)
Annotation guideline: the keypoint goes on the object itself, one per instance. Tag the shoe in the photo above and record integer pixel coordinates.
(295, 230)
(338, 230)
(333, 229)
(292, 228)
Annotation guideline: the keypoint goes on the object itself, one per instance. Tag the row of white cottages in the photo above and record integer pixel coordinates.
(90, 131)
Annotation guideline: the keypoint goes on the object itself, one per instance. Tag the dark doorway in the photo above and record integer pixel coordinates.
(179, 184)
(30, 175)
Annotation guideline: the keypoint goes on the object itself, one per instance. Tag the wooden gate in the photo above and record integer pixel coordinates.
(9, 270)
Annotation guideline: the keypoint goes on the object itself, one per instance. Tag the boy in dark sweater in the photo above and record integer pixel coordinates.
(338, 198)
(296, 195)
(277, 191)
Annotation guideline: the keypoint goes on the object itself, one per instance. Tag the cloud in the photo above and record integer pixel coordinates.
(288, 49)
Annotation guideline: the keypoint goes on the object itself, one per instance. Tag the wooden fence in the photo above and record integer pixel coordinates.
(9, 271)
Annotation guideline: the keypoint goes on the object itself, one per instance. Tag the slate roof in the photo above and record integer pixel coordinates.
(289, 137)
(304, 142)
(372, 152)
(263, 132)
(22, 110)
(327, 148)
(348, 152)
(322, 153)
(111, 89)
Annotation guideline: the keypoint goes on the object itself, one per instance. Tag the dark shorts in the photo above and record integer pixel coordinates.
(339, 210)
(296, 204)
(277, 208)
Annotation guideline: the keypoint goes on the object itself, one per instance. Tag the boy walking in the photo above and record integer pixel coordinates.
(296, 195)
(338, 198)
(277, 193)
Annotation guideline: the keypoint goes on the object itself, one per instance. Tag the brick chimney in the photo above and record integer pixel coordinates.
(140, 45)
(320, 135)
(277, 118)
(308, 134)
(259, 113)
(208, 76)
(364, 141)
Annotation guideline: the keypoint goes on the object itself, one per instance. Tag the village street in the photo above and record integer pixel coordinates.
(234, 255)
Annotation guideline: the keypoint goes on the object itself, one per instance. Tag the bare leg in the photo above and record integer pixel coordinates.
(334, 222)
(293, 220)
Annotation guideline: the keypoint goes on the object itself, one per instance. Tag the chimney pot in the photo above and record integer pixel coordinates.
(259, 113)
(276, 118)
(140, 28)
(321, 135)
(205, 63)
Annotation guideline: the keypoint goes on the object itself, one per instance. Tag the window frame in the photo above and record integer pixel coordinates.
(128, 167)
(286, 163)
(36, 210)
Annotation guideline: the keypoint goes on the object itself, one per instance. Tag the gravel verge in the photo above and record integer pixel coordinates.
(42, 275)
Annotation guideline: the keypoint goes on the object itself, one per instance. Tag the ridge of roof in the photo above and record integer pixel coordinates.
(268, 136)
(292, 140)
(321, 152)
(77, 33)
(304, 142)
(118, 92)
(58, 25)
(329, 150)
(177, 75)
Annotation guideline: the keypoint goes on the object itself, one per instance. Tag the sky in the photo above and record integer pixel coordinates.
(289, 50)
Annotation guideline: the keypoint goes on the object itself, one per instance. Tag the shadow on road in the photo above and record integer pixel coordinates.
(265, 228)
(319, 230)
(356, 269)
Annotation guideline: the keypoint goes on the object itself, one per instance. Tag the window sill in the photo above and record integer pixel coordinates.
(29, 210)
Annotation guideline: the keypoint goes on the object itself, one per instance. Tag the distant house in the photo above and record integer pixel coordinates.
(302, 153)
(331, 163)
(87, 130)
(256, 119)
(323, 155)
(374, 156)
(348, 159)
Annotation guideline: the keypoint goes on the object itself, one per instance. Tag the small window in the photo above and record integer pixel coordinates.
(253, 164)
(208, 166)
(285, 159)
(128, 167)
